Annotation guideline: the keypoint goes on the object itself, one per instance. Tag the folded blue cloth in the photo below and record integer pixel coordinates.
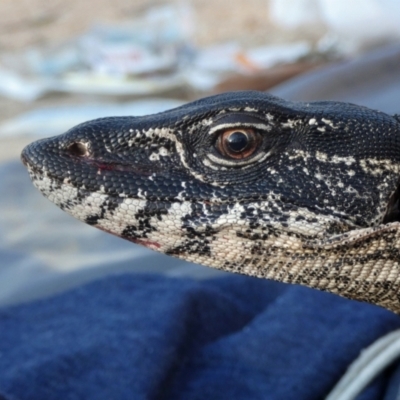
(151, 337)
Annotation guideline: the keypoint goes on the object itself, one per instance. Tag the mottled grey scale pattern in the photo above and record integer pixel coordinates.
(315, 202)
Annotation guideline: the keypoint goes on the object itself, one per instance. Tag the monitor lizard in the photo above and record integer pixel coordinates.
(306, 193)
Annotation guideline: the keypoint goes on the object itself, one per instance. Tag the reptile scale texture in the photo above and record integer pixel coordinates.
(246, 182)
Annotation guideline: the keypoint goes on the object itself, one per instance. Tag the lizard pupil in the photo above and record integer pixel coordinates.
(237, 141)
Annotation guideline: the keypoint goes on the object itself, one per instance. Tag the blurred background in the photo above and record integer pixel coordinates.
(62, 63)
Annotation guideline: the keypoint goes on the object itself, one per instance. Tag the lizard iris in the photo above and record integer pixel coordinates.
(236, 144)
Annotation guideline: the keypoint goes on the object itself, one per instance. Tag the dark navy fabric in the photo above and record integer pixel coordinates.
(151, 337)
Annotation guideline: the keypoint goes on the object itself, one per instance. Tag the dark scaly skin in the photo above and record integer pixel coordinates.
(315, 204)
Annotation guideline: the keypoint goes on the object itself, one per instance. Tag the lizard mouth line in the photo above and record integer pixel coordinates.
(392, 214)
(99, 165)
(114, 166)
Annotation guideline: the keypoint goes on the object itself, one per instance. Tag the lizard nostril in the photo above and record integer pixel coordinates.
(78, 149)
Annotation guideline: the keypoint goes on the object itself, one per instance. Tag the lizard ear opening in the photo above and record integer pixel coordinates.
(393, 208)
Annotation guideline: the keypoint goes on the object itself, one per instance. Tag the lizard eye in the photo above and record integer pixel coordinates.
(238, 143)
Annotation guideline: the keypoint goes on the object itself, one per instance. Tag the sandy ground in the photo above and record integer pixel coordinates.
(42, 22)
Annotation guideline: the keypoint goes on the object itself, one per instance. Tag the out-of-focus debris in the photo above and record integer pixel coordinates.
(360, 24)
(151, 55)
(233, 58)
(55, 120)
(156, 53)
(155, 43)
(295, 14)
(265, 79)
(139, 58)
(268, 56)
(350, 25)
(103, 84)
(230, 66)
(19, 88)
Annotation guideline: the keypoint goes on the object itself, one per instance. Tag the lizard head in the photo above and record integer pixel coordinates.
(245, 182)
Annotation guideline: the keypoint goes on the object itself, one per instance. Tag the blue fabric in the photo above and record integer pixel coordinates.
(148, 337)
